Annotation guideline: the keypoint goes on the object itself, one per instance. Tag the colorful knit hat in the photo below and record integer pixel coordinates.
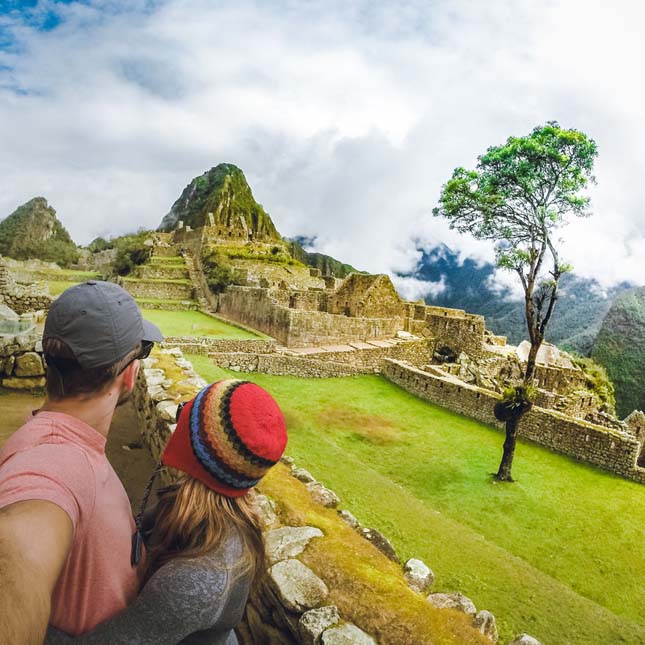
(228, 437)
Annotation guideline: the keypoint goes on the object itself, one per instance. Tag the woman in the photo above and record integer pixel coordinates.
(204, 544)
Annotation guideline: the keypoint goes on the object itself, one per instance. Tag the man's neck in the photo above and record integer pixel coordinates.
(96, 411)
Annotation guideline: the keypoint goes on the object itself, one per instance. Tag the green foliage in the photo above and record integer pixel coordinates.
(218, 273)
(259, 252)
(620, 348)
(521, 191)
(99, 244)
(515, 402)
(130, 252)
(326, 264)
(597, 380)
(545, 538)
(33, 231)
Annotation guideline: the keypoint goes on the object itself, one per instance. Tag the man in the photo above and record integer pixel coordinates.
(65, 519)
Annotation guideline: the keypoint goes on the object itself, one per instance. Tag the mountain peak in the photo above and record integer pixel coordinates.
(224, 192)
(34, 231)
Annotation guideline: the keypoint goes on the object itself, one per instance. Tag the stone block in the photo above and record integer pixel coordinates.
(322, 495)
(525, 639)
(485, 622)
(15, 383)
(349, 519)
(418, 575)
(9, 363)
(452, 601)
(303, 475)
(380, 542)
(266, 509)
(315, 621)
(297, 586)
(346, 634)
(288, 541)
(29, 364)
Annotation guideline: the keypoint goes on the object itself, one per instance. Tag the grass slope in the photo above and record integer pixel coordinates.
(194, 323)
(559, 554)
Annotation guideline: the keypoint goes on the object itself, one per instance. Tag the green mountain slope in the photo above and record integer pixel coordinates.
(33, 231)
(326, 264)
(223, 191)
(620, 348)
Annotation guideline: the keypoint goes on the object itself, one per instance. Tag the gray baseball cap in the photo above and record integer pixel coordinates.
(100, 322)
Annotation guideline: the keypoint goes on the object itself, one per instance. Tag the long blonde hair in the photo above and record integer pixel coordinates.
(192, 520)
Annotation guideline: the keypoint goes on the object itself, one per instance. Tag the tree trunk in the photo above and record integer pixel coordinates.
(505, 466)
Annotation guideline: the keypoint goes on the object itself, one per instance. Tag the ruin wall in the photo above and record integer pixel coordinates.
(603, 447)
(204, 345)
(254, 306)
(161, 289)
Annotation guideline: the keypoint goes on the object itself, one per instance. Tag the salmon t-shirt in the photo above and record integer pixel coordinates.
(58, 458)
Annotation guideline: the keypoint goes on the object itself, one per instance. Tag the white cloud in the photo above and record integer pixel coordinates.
(347, 117)
(413, 289)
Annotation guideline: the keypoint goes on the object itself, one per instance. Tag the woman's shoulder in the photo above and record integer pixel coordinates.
(213, 566)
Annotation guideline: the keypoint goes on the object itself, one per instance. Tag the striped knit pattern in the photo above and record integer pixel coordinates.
(216, 442)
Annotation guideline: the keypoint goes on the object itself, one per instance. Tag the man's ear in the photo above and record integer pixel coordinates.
(130, 375)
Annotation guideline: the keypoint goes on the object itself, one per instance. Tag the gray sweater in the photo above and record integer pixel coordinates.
(194, 601)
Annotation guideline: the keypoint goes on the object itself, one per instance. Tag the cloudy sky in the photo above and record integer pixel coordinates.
(346, 116)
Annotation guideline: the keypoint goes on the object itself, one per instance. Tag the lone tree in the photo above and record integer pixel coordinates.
(518, 196)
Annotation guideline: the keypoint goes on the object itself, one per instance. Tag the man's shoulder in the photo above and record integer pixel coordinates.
(37, 434)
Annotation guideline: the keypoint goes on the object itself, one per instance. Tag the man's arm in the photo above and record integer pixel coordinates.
(35, 538)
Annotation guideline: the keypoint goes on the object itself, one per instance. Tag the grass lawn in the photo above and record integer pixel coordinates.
(56, 287)
(560, 554)
(194, 323)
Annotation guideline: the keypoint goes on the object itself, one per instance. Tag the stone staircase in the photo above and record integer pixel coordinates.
(200, 287)
(163, 282)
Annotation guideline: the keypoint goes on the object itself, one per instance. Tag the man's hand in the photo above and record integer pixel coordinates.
(35, 538)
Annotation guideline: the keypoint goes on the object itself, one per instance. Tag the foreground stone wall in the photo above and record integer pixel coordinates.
(609, 449)
(25, 300)
(21, 362)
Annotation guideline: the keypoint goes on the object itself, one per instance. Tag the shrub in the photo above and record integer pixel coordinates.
(131, 251)
(218, 274)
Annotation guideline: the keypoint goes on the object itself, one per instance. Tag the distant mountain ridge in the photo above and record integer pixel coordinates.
(34, 231)
(580, 310)
(224, 192)
(326, 264)
(620, 347)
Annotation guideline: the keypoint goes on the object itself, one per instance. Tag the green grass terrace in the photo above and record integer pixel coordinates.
(559, 554)
(197, 324)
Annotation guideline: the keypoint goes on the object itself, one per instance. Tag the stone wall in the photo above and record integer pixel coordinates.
(368, 296)
(169, 305)
(24, 301)
(161, 289)
(609, 449)
(204, 345)
(285, 365)
(455, 329)
(253, 306)
(21, 361)
(162, 272)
